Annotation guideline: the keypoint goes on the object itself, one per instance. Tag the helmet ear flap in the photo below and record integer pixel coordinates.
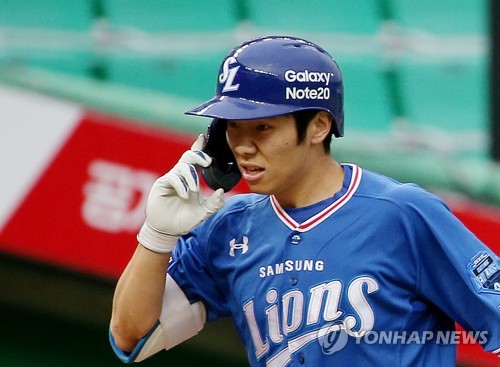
(223, 172)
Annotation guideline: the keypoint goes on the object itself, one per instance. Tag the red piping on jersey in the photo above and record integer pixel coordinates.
(325, 213)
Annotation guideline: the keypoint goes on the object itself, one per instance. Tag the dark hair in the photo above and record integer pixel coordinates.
(302, 119)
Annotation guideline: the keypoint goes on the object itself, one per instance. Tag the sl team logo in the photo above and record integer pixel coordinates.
(228, 74)
(233, 246)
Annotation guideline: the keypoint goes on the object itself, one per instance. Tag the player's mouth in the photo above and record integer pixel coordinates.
(250, 172)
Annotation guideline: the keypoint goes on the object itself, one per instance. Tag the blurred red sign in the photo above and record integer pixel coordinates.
(86, 208)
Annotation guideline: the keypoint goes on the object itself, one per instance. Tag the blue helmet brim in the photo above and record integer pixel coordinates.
(230, 108)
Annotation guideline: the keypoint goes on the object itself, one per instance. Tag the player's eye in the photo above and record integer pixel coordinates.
(262, 127)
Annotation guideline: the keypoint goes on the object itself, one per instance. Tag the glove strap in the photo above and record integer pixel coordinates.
(156, 241)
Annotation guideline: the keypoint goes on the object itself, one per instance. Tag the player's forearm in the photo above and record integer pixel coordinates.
(138, 297)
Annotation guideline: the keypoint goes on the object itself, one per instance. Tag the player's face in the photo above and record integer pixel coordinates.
(268, 154)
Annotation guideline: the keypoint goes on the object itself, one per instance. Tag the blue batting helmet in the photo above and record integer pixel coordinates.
(273, 76)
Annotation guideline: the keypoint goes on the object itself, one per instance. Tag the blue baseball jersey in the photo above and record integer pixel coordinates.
(374, 276)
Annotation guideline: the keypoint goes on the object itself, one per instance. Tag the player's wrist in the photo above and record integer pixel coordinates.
(155, 240)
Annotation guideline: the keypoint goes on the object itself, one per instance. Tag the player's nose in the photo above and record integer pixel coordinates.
(244, 149)
(242, 144)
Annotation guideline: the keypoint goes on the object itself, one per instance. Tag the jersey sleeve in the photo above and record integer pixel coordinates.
(456, 271)
(191, 271)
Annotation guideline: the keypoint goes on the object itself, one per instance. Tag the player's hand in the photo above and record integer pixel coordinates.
(174, 204)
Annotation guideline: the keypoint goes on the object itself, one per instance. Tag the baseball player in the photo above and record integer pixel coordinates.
(323, 264)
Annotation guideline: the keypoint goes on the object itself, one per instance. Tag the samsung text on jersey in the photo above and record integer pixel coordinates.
(291, 265)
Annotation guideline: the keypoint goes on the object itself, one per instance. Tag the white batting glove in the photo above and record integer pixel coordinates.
(174, 205)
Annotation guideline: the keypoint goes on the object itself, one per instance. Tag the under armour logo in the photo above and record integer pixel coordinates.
(238, 246)
(228, 75)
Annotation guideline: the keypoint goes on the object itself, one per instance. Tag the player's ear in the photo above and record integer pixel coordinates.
(320, 126)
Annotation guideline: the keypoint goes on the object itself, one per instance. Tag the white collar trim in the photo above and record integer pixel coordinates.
(325, 213)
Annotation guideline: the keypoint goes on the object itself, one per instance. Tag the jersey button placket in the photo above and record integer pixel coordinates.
(294, 239)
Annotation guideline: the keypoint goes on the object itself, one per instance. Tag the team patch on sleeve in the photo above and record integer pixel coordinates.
(484, 271)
